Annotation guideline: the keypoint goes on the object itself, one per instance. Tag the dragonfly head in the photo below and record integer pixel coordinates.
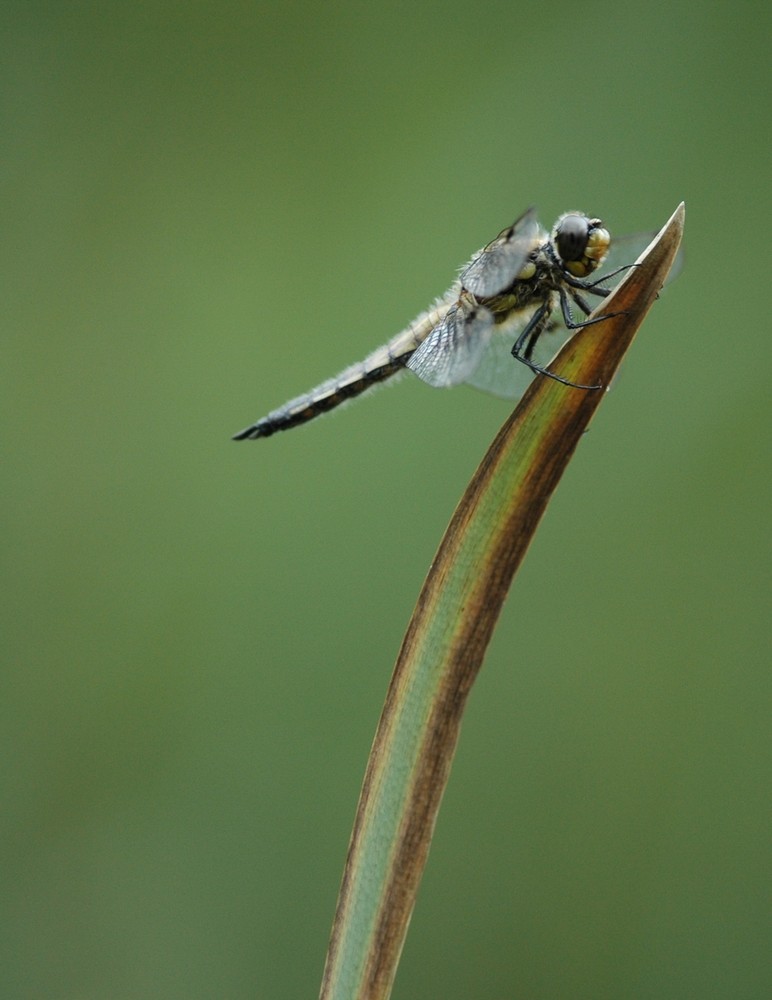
(581, 243)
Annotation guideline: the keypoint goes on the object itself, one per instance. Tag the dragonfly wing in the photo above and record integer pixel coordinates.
(498, 264)
(626, 250)
(454, 348)
(501, 374)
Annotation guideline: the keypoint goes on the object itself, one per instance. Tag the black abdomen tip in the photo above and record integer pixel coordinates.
(259, 430)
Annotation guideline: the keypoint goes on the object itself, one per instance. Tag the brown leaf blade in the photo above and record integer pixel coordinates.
(453, 621)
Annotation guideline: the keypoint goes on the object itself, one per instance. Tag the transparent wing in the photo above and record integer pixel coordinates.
(501, 374)
(498, 264)
(626, 250)
(453, 349)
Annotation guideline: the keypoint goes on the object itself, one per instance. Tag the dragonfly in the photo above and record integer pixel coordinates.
(499, 324)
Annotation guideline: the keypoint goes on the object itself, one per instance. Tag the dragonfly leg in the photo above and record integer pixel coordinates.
(591, 285)
(523, 347)
(568, 318)
(529, 336)
(582, 303)
(596, 287)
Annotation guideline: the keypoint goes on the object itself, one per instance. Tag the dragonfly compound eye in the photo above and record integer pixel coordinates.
(582, 243)
(571, 235)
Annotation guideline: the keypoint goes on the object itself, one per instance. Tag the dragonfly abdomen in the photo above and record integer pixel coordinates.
(381, 364)
(350, 383)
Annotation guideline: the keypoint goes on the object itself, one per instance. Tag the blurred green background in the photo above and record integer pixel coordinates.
(210, 207)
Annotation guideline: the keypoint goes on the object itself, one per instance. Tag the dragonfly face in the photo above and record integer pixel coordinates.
(513, 302)
(581, 243)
